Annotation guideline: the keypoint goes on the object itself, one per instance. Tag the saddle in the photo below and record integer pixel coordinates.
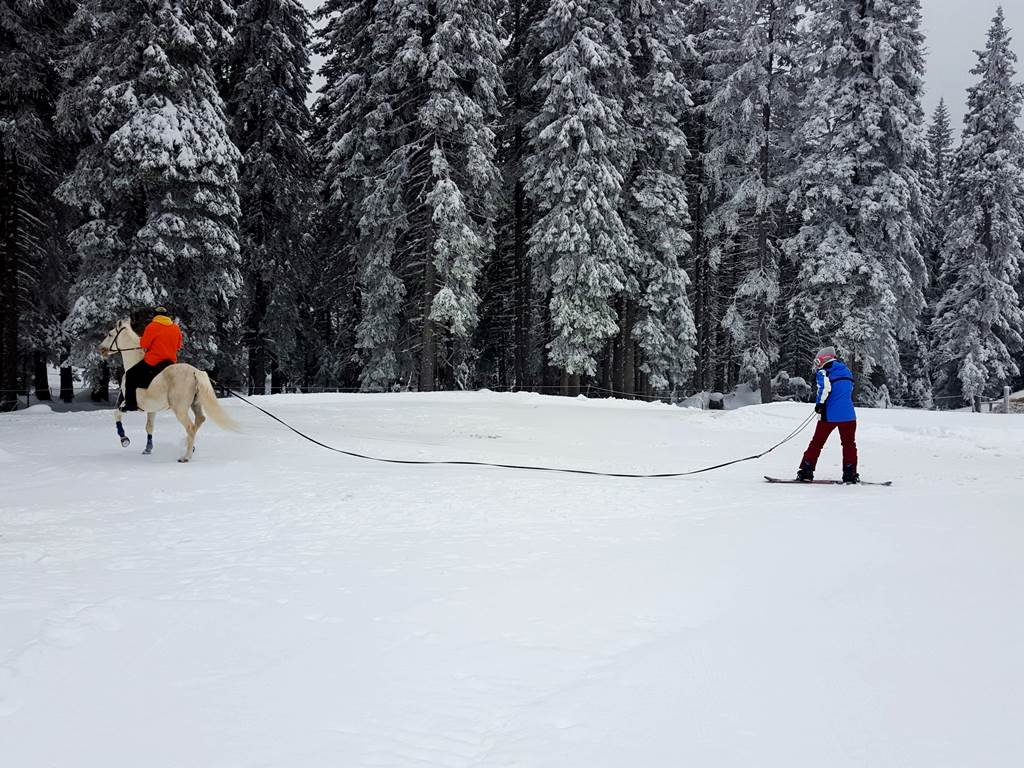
(146, 375)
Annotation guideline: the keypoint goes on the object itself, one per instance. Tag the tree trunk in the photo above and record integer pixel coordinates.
(101, 389)
(276, 379)
(570, 384)
(522, 290)
(521, 275)
(255, 341)
(67, 384)
(643, 386)
(9, 270)
(257, 369)
(766, 386)
(323, 329)
(551, 377)
(40, 376)
(726, 379)
(765, 312)
(628, 351)
(705, 316)
(726, 280)
(428, 347)
(502, 373)
(619, 354)
(607, 368)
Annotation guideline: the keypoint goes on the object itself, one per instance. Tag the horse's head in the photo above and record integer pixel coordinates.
(110, 343)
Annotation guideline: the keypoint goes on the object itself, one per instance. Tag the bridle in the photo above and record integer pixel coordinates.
(113, 344)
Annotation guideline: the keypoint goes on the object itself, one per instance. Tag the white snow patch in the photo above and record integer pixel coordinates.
(276, 604)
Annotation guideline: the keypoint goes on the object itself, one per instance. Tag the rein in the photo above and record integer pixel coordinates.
(115, 348)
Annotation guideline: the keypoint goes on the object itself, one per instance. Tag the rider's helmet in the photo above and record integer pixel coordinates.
(824, 356)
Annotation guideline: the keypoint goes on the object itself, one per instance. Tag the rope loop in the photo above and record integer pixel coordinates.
(565, 470)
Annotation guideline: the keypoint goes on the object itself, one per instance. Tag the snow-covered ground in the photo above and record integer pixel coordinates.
(275, 604)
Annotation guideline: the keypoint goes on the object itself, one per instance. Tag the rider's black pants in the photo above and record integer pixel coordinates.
(139, 376)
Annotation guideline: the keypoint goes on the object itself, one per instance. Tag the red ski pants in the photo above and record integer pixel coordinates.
(848, 435)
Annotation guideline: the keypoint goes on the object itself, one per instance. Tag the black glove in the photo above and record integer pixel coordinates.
(819, 408)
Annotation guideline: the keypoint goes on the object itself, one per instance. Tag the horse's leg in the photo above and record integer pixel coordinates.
(125, 442)
(150, 420)
(190, 432)
(118, 413)
(197, 409)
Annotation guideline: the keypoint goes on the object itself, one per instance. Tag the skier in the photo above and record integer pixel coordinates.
(161, 341)
(835, 404)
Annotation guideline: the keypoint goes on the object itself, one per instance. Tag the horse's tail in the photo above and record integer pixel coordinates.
(208, 399)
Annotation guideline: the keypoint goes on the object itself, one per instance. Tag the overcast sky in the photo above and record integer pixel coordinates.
(955, 29)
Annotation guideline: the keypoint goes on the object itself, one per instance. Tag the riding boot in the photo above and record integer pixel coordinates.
(129, 401)
(139, 375)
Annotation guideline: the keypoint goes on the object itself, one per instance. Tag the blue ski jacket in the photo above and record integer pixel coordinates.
(835, 390)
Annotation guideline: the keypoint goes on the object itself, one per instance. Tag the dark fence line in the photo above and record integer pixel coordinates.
(27, 398)
(588, 390)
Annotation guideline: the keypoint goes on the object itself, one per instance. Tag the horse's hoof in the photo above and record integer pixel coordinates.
(125, 442)
(148, 451)
(183, 461)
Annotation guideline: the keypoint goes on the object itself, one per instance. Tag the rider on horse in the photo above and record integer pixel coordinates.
(161, 342)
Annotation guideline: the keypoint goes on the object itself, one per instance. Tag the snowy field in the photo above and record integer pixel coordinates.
(275, 604)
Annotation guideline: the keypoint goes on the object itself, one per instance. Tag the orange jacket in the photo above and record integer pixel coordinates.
(161, 340)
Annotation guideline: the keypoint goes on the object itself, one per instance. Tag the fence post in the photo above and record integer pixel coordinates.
(1006, 399)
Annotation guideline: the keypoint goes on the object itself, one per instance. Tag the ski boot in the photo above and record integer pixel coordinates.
(806, 472)
(850, 476)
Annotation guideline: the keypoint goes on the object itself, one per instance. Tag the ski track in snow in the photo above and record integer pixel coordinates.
(275, 604)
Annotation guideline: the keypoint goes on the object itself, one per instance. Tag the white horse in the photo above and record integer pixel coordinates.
(178, 387)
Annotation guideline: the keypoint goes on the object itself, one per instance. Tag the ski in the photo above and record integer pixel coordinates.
(822, 482)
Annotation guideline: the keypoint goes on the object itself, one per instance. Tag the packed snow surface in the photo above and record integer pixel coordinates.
(275, 604)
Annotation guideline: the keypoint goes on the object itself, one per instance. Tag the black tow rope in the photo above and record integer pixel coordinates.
(313, 440)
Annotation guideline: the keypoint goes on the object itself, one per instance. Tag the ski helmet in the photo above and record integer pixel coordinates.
(825, 355)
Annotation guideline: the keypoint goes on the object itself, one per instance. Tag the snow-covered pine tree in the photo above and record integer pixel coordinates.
(33, 255)
(355, 146)
(979, 322)
(933, 167)
(704, 23)
(580, 150)
(506, 337)
(461, 110)
(157, 179)
(797, 342)
(940, 151)
(751, 111)
(333, 294)
(413, 144)
(22, 147)
(266, 85)
(658, 320)
(856, 184)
